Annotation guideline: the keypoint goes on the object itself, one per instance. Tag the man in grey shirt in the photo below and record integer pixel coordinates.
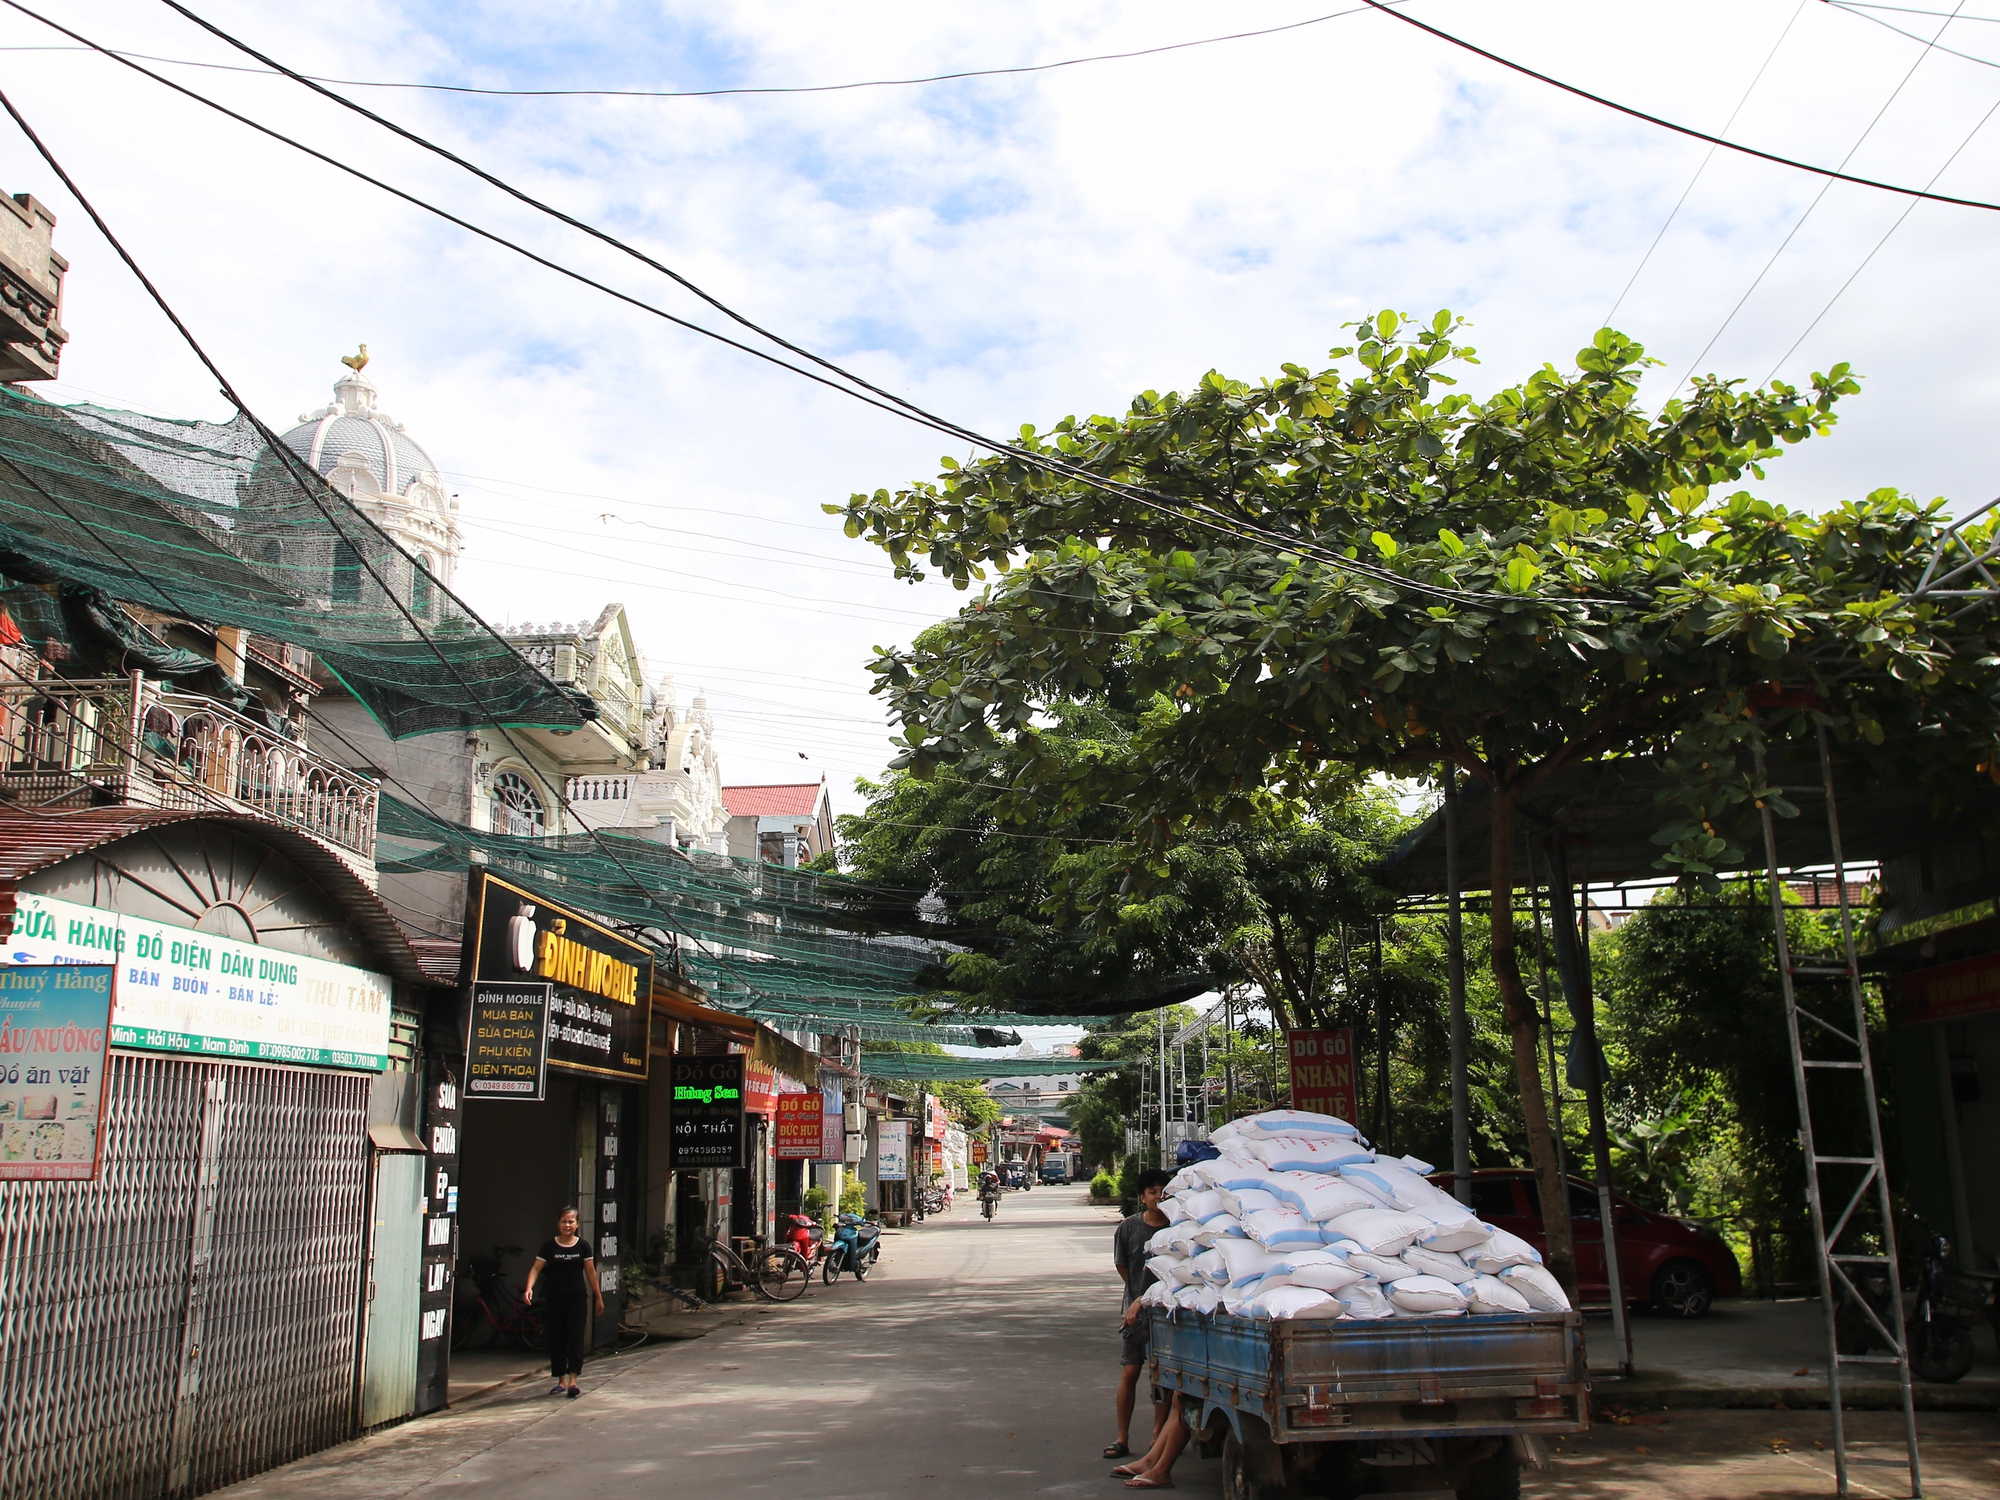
(1128, 1254)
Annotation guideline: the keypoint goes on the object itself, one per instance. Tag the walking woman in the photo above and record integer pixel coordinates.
(567, 1268)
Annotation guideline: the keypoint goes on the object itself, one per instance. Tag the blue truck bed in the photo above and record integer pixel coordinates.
(1312, 1380)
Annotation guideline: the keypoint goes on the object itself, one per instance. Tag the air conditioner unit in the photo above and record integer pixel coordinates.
(565, 664)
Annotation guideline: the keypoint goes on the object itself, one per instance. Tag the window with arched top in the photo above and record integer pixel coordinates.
(517, 806)
(420, 584)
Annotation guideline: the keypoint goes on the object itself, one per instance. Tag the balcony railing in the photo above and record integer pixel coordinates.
(127, 740)
(598, 789)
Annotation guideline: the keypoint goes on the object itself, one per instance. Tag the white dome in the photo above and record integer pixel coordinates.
(353, 424)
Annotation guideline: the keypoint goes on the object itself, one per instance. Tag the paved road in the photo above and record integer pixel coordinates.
(980, 1361)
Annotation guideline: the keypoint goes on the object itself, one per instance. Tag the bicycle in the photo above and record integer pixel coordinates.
(495, 1310)
(777, 1273)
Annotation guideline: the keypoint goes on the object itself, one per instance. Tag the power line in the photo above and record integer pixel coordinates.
(815, 88)
(1633, 279)
(1862, 15)
(1665, 124)
(1800, 223)
(1908, 209)
(293, 465)
(1206, 516)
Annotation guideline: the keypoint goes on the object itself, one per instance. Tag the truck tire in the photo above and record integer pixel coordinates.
(1495, 1478)
(1254, 1470)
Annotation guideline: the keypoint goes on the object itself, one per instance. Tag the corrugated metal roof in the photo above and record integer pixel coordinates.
(772, 801)
(34, 841)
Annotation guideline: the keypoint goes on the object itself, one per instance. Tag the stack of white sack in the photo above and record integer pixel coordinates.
(1298, 1218)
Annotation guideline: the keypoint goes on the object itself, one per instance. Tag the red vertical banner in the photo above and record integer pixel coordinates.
(799, 1127)
(1323, 1072)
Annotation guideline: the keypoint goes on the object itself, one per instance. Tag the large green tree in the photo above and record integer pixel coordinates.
(1356, 565)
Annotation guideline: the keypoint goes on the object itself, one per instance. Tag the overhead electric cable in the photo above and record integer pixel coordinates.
(1211, 518)
(292, 463)
(814, 88)
(1908, 209)
(1862, 15)
(1800, 222)
(1166, 505)
(1680, 202)
(1678, 129)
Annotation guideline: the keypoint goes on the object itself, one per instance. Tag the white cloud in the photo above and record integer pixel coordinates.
(1001, 250)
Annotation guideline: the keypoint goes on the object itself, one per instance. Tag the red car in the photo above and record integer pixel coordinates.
(1679, 1266)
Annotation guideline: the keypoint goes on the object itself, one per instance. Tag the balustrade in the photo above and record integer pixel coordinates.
(128, 740)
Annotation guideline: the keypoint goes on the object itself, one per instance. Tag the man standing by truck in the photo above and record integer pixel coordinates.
(1128, 1255)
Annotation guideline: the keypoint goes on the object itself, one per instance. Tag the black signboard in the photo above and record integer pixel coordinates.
(506, 1053)
(600, 1014)
(707, 1113)
(441, 1125)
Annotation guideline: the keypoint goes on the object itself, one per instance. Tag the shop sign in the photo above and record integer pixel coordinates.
(600, 1010)
(506, 1050)
(979, 1152)
(706, 1113)
(892, 1151)
(55, 1025)
(1948, 991)
(1323, 1072)
(801, 1120)
(760, 1088)
(442, 1118)
(832, 1124)
(184, 991)
(936, 1122)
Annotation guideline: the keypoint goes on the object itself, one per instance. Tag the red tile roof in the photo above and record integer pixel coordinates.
(772, 801)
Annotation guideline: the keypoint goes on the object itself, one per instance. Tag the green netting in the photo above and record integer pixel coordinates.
(751, 943)
(205, 521)
(920, 1065)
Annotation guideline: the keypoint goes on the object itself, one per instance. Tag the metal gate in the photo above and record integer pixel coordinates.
(395, 1290)
(189, 1318)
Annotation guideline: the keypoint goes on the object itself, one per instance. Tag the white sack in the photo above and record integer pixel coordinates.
(1175, 1210)
(1187, 1180)
(1161, 1241)
(1500, 1251)
(1489, 1294)
(1364, 1300)
(1247, 1260)
(1159, 1294)
(1384, 1268)
(1311, 1268)
(1281, 1229)
(1452, 1236)
(1245, 1201)
(1445, 1267)
(1543, 1291)
(1323, 1197)
(1295, 1153)
(1210, 1267)
(1296, 1302)
(1378, 1230)
(1167, 1267)
(1220, 1227)
(1281, 1122)
(1426, 1294)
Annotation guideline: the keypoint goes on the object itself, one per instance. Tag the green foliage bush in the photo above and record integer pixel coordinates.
(854, 1197)
(1104, 1186)
(815, 1202)
(1128, 1177)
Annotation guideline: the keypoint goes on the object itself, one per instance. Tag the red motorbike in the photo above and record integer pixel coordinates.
(803, 1235)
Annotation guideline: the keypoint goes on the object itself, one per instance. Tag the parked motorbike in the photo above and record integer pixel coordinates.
(803, 1234)
(932, 1199)
(1940, 1340)
(857, 1245)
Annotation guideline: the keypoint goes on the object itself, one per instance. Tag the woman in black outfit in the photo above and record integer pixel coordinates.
(568, 1268)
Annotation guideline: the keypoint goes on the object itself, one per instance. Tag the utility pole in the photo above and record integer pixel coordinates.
(1229, 1052)
(1454, 940)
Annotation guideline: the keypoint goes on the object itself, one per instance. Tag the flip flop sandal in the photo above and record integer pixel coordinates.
(1139, 1483)
(1118, 1450)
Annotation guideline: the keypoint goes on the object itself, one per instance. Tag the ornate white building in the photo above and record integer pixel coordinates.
(645, 765)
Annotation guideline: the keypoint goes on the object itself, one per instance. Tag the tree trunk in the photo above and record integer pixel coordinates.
(1523, 1026)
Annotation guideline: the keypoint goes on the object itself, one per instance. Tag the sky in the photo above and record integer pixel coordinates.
(1003, 250)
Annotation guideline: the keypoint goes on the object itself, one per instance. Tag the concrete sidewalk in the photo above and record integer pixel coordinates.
(1753, 1353)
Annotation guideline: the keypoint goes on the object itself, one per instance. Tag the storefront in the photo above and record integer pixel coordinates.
(248, 1174)
(556, 1029)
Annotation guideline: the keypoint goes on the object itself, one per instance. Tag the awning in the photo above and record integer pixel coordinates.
(679, 1007)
